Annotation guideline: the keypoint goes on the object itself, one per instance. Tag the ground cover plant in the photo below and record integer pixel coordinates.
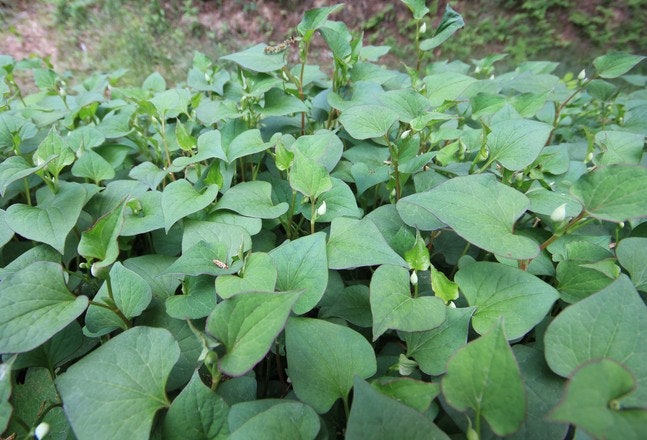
(275, 250)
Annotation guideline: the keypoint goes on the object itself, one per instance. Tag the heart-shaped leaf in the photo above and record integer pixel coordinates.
(197, 413)
(302, 265)
(393, 307)
(607, 324)
(318, 378)
(614, 65)
(433, 348)
(368, 121)
(355, 243)
(35, 304)
(180, 199)
(92, 166)
(497, 291)
(247, 325)
(374, 415)
(51, 221)
(197, 301)
(255, 58)
(274, 419)
(591, 402)
(483, 212)
(632, 254)
(100, 241)
(258, 274)
(484, 377)
(308, 177)
(252, 199)
(615, 193)
(132, 367)
(516, 143)
(15, 168)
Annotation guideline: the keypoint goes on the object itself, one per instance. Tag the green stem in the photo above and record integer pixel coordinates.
(313, 213)
(27, 193)
(394, 162)
(559, 109)
(114, 310)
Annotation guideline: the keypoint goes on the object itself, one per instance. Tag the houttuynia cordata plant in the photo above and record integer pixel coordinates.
(275, 249)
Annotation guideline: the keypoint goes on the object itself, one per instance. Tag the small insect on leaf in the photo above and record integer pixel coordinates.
(273, 50)
(220, 264)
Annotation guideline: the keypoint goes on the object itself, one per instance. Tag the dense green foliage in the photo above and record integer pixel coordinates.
(268, 251)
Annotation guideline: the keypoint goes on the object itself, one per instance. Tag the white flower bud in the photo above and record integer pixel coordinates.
(405, 134)
(451, 305)
(492, 76)
(589, 157)
(41, 430)
(423, 28)
(478, 69)
(321, 210)
(559, 214)
(582, 75)
(414, 278)
(621, 224)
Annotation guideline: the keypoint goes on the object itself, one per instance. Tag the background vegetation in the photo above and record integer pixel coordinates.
(85, 36)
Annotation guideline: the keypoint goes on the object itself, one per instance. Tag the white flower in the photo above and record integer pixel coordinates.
(423, 28)
(321, 210)
(405, 134)
(414, 278)
(582, 75)
(559, 214)
(41, 430)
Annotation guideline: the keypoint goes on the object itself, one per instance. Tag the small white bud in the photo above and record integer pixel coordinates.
(405, 134)
(589, 157)
(621, 224)
(423, 28)
(451, 305)
(582, 75)
(559, 214)
(41, 430)
(321, 210)
(492, 76)
(478, 69)
(414, 278)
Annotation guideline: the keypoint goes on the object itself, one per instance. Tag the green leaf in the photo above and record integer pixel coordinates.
(607, 324)
(484, 377)
(274, 419)
(180, 199)
(393, 307)
(302, 265)
(92, 166)
(632, 255)
(378, 417)
(591, 402)
(340, 202)
(368, 121)
(318, 377)
(132, 367)
(252, 199)
(258, 274)
(15, 168)
(100, 241)
(245, 144)
(355, 243)
(247, 325)
(417, 7)
(443, 288)
(308, 177)
(483, 212)
(50, 221)
(543, 391)
(409, 104)
(131, 293)
(35, 304)
(433, 348)
(351, 303)
(447, 86)
(313, 19)
(500, 291)
(418, 255)
(615, 193)
(338, 38)
(143, 214)
(516, 143)
(451, 22)
(196, 413)
(620, 147)
(254, 58)
(279, 103)
(197, 301)
(54, 145)
(414, 393)
(415, 211)
(614, 65)
(323, 147)
(205, 258)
